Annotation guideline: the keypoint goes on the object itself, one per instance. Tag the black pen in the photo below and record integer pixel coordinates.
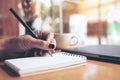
(24, 24)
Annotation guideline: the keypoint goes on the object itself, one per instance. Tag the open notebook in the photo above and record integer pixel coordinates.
(35, 65)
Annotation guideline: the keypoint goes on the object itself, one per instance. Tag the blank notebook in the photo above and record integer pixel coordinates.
(35, 65)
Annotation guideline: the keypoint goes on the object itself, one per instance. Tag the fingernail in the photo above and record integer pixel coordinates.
(51, 46)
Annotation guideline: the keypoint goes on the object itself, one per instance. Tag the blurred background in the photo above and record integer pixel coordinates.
(95, 22)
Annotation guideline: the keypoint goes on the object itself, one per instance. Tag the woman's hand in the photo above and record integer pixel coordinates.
(18, 46)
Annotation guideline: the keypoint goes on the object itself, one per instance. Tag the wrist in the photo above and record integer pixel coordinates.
(2, 49)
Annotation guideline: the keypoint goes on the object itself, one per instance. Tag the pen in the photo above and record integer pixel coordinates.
(25, 25)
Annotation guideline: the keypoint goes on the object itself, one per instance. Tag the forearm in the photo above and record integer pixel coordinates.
(14, 47)
(9, 48)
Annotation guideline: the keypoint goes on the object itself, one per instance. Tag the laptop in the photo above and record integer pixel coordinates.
(107, 53)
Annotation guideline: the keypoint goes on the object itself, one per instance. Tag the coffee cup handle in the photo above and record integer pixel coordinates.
(75, 43)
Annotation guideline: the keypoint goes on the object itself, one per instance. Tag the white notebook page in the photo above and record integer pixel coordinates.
(35, 64)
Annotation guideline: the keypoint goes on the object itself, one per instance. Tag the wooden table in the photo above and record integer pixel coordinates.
(94, 70)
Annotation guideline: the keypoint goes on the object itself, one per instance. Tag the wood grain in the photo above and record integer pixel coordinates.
(94, 70)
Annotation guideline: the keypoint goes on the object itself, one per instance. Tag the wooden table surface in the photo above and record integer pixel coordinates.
(93, 70)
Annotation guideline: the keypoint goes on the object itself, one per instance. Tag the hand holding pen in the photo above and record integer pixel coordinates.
(48, 37)
(40, 36)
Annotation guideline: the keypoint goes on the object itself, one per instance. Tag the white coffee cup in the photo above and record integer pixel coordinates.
(66, 40)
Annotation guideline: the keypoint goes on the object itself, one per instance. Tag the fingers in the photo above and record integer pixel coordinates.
(50, 37)
(46, 43)
(46, 36)
(41, 44)
(42, 53)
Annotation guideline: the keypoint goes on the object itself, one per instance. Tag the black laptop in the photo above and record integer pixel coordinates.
(107, 53)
